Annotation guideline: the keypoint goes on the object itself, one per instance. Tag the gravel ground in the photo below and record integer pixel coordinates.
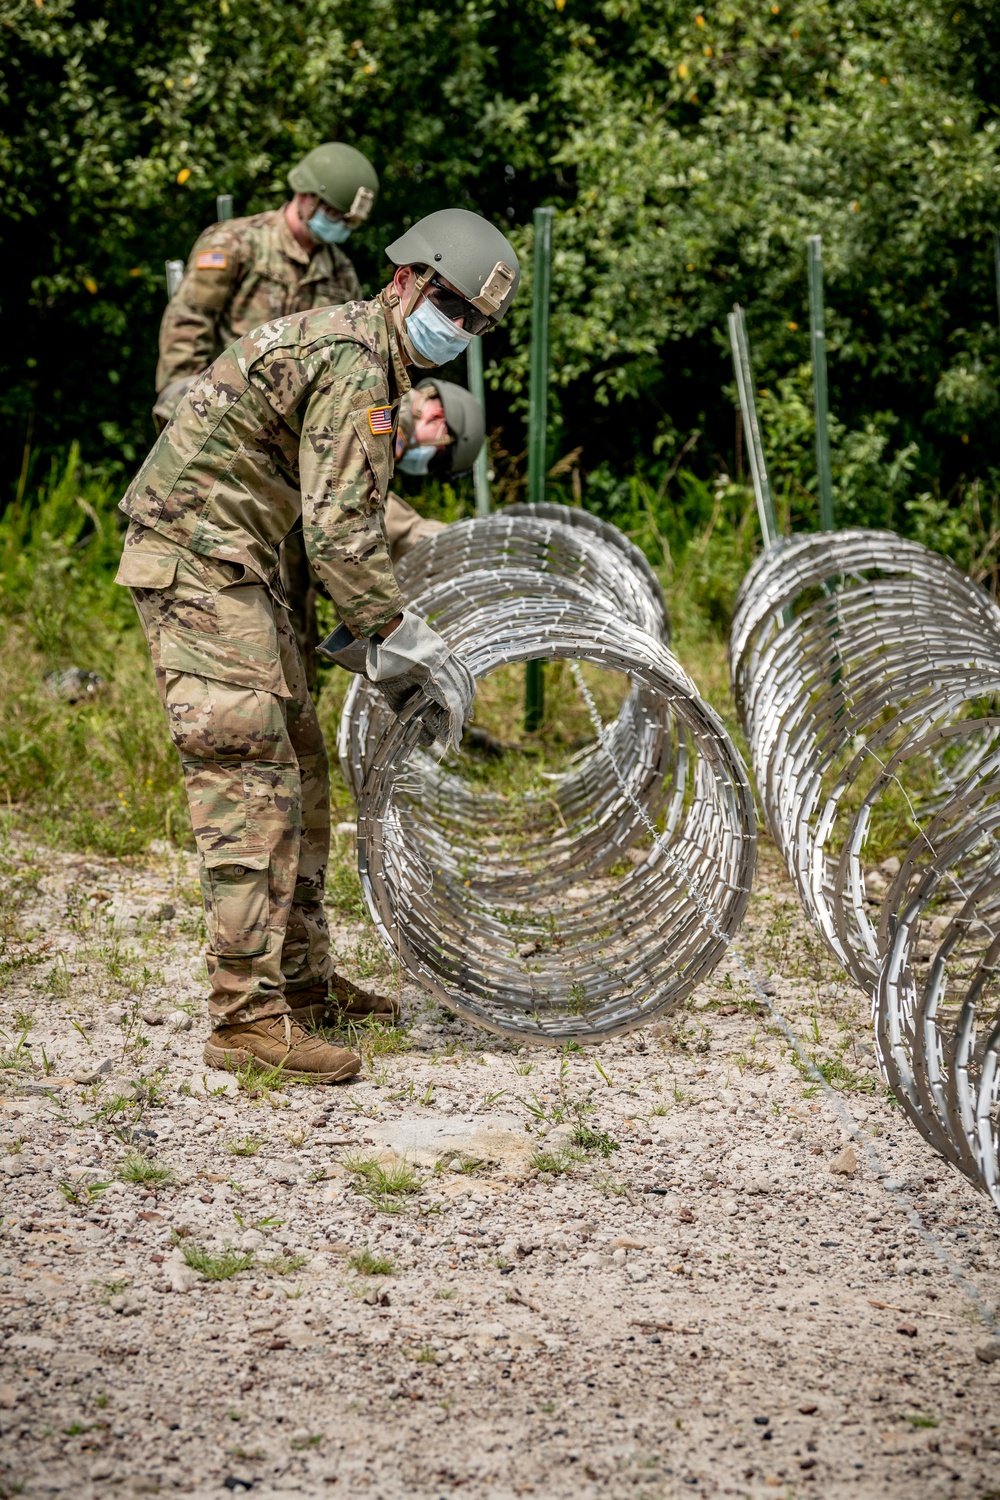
(654, 1269)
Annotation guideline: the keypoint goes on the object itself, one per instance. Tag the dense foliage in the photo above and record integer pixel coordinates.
(689, 152)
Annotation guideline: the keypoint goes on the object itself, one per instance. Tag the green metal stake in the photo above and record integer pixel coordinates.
(224, 207)
(740, 343)
(817, 340)
(534, 679)
(481, 468)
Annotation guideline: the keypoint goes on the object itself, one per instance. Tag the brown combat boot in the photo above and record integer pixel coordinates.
(280, 1042)
(340, 1002)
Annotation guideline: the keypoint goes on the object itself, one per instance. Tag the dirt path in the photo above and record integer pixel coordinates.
(689, 1302)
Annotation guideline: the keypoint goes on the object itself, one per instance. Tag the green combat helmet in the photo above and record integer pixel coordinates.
(469, 253)
(341, 177)
(465, 420)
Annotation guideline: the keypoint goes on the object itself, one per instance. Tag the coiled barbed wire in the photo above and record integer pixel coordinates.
(541, 909)
(867, 676)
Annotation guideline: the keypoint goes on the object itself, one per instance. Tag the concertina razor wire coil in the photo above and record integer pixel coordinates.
(550, 914)
(867, 677)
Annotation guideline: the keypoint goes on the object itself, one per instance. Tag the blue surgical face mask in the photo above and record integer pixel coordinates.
(416, 460)
(435, 336)
(330, 231)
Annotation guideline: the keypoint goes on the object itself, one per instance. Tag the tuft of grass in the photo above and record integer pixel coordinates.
(556, 1162)
(138, 1168)
(385, 1186)
(600, 1141)
(367, 1263)
(286, 1264)
(920, 1419)
(216, 1265)
(248, 1146)
(82, 1194)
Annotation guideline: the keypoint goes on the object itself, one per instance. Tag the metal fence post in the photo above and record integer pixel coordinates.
(817, 344)
(740, 343)
(538, 426)
(481, 468)
(174, 271)
(224, 207)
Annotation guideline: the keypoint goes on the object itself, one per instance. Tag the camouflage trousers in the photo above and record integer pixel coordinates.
(255, 769)
(404, 528)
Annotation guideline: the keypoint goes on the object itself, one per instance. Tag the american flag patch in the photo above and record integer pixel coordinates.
(380, 419)
(211, 260)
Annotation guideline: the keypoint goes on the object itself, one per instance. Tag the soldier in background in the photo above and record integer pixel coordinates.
(245, 272)
(295, 419)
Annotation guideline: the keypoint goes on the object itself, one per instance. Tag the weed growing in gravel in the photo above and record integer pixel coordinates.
(920, 1419)
(16, 1059)
(445, 1294)
(386, 1186)
(556, 1162)
(589, 1139)
(248, 1146)
(286, 1264)
(610, 1187)
(109, 1289)
(82, 1193)
(138, 1168)
(216, 1265)
(369, 1264)
(378, 1039)
(257, 1081)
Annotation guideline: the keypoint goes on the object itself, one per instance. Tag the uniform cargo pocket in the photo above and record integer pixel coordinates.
(222, 658)
(236, 903)
(140, 569)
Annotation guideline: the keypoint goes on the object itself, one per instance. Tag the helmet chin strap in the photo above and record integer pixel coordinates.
(400, 315)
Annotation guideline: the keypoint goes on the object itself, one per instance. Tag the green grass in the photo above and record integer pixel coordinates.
(138, 1168)
(600, 1141)
(248, 1146)
(556, 1162)
(920, 1419)
(367, 1263)
(216, 1265)
(286, 1263)
(386, 1186)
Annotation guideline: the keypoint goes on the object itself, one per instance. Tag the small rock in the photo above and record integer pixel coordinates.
(988, 1354)
(251, 1239)
(624, 1243)
(637, 1273)
(907, 1330)
(160, 911)
(730, 1207)
(179, 1020)
(527, 949)
(153, 1018)
(619, 1256)
(180, 1275)
(768, 987)
(73, 684)
(593, 1260)
(846, 1164)
(808, 1407)
(8, 1397)
(127, 1304)
(92, 1075)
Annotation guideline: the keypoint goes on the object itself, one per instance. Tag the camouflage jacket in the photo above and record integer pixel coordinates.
(295, 418)
(242, 273)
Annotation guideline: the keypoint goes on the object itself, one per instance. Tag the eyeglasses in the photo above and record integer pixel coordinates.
(453, 305)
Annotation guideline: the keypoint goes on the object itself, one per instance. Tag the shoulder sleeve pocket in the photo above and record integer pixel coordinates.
(377, 448)
(146, 570)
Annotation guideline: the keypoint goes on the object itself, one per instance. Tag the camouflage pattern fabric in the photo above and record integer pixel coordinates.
(404, 528)
(255, 769)
(240, 274)
(293, 420)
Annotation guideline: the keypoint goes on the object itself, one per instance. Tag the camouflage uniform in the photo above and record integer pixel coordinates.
(240, 274)
(286, 423)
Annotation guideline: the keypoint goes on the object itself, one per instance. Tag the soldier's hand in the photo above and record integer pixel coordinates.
(414, 651)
